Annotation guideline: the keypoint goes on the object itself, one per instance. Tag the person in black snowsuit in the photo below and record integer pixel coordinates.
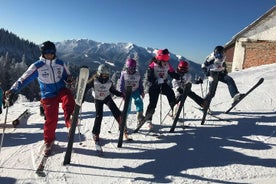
(185, 78)
(157, 75)
(102, 88)
(216, 62)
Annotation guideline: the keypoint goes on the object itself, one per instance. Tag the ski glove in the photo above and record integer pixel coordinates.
(9, 97)
(70, 82)
(180, 90)
(199, 81)
(205, 71)
(123, 95)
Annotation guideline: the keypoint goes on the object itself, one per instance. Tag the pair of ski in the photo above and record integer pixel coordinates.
(212, 91)
(184, 95)
(122, 126)
(83, 77)
(211, 94)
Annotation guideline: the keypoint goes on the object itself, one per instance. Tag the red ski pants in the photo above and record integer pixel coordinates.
(51, 109)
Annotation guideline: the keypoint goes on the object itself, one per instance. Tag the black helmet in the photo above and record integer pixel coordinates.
(219, 52)
(48, 47)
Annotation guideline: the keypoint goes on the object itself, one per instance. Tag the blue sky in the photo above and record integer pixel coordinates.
(191, 28)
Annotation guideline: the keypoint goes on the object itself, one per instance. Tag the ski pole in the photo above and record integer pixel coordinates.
(109, 131)
(166, 116)
(5, 122)
(183, 115)
(160, 118)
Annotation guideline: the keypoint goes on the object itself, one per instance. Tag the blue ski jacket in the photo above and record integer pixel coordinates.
(51, 76)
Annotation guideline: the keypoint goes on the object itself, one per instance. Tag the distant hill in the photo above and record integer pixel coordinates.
(92, 53)
(85, 52)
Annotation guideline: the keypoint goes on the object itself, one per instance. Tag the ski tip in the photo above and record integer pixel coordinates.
(129, 140)
(40, 173)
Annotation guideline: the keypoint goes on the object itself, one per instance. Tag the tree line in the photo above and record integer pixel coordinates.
(16, 55)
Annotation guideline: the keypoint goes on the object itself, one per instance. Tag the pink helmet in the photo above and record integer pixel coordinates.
(131, 65)
(163, 55)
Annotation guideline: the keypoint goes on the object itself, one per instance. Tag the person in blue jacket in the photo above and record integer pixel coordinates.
(52, 75)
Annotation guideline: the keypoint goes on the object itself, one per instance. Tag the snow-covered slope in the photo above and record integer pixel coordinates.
(238, 149)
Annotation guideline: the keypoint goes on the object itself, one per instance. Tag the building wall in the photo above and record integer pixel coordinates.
(229, 52)
(259, 53)
(257, 41)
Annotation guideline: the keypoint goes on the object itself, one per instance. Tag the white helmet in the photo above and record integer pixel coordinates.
(103, 70)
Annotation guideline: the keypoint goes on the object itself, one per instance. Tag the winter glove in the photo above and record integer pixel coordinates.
(8, 101)
(123, 95)
(70, 82)
(204, 70)
(180, 90)
(143, 95)
(199, 81)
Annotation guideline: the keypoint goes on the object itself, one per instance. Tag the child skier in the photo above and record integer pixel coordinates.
(130, 76)
(216, 61)
(102, 87)
(156, 79)
(185, 78)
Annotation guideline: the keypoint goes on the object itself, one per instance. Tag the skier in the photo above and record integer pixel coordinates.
(52, 75)
(102, 88)
(216, 62)
(130, 76)
(156, 82)
(185, 78)
(1, 98)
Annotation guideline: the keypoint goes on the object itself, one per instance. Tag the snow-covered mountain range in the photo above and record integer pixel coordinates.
(86, 52)
(92, 53)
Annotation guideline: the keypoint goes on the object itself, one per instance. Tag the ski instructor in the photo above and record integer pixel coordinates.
(52, 75)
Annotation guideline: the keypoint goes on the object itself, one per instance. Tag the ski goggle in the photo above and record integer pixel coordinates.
(183, 70)
(131, 69)
(104, 75)
(218, 55)
(49, 51)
